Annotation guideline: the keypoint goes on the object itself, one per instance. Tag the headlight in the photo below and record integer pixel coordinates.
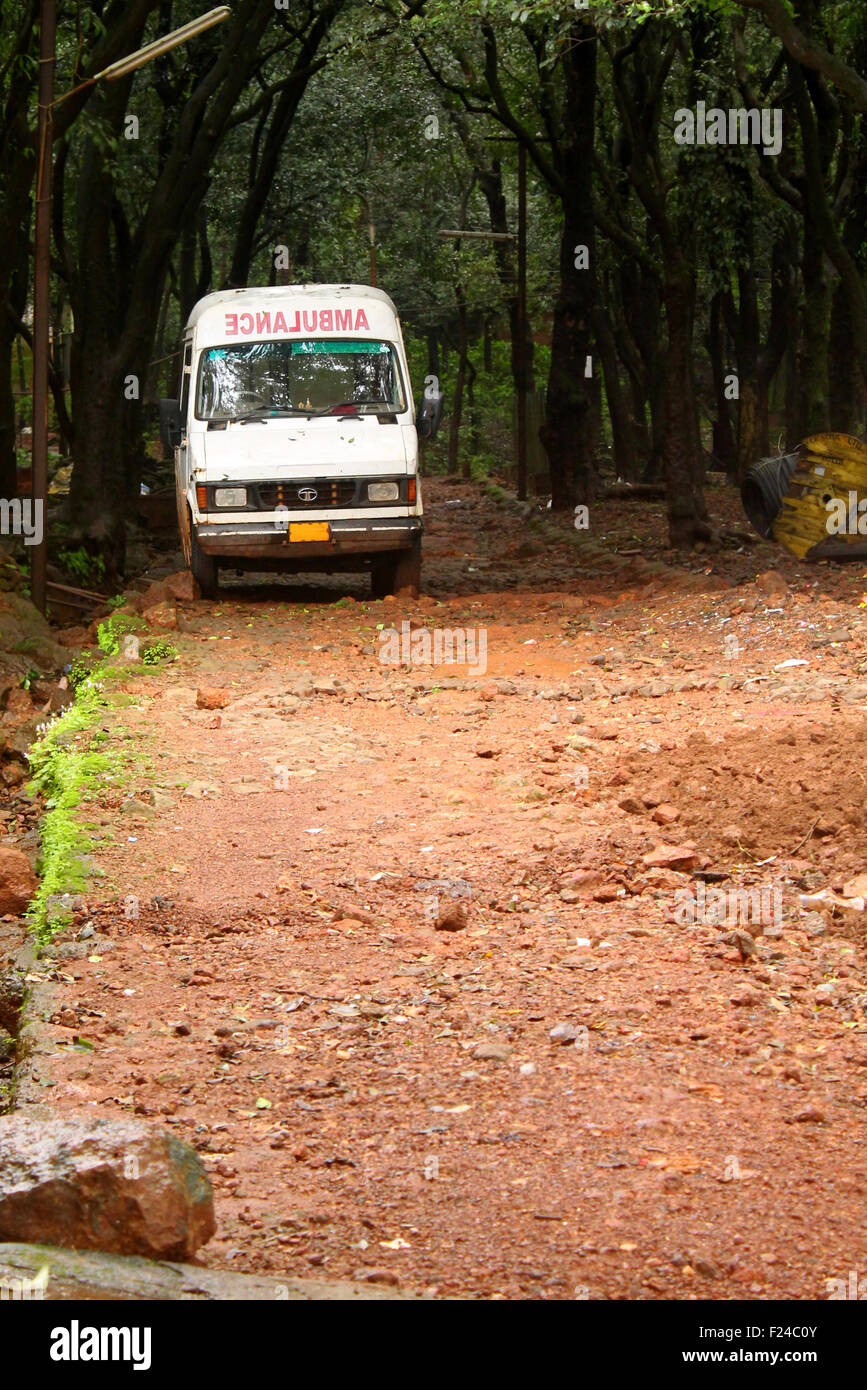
(383, 492)
(230, 497)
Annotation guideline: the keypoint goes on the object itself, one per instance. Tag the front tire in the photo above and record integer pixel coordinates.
(397, 570)
(204, 568)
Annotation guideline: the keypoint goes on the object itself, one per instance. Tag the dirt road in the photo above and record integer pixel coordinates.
(580, 1091)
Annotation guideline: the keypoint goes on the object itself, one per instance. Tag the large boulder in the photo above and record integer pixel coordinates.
(116, 1185)
(26, 639)
(18, 882)
(38, 1271)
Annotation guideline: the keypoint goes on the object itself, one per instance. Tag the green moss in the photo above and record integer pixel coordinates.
(155, 653)
(110, 631)
(69, 768)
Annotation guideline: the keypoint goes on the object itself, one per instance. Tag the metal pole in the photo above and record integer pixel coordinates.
(41, 299)
(371, 232)
(522, 322)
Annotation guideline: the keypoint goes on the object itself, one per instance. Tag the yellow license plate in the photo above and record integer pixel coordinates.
(309, 531)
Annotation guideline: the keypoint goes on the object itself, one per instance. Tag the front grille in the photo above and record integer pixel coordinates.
(330, 492)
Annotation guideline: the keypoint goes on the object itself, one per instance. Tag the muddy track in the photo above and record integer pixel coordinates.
(379, 1099)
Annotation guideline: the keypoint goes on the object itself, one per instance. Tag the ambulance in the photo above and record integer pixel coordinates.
(296, 438)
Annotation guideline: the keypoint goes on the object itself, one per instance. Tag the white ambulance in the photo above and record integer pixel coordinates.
(295, 436)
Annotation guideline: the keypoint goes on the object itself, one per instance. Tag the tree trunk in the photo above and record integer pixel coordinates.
(568, 434)
(846, 382)
(812, 366)
(457, 409)
(723, 438)
(682, 462)
(623, 446)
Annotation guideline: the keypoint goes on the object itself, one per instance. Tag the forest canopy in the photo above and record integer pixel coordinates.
(696, 222)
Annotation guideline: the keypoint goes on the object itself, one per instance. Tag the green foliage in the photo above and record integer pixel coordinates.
(69, 768)
(157, 652)
(65, 771)
(112, 629)
(82, 668)
(89, 569)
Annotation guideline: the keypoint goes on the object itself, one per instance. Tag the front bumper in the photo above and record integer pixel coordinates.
(265, 540)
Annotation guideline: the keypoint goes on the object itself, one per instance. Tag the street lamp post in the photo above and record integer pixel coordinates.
(41, 291)
(42, 245)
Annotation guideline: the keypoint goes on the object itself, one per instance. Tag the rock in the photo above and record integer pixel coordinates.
(376, 1274)
(632, 805)
(772, 583)
(744, 997)
(451, 915)
(744, 942)
(75, 1275)
(95, 1184)
(212, 697)
(182, 587)
(154, 594)
(163, 616)
(856, 887)
(491, 1052)
(11, 1000)
(7, 1045)
(665, 814)
(810, 1115)
(671, 857)
(608, 893)
(564, 1033)
(72, 637)
(18, 882)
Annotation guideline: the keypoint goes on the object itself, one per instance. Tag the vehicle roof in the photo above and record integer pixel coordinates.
(285, 294)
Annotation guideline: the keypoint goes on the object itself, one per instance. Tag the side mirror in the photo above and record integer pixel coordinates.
(429, 414)
(171, 425)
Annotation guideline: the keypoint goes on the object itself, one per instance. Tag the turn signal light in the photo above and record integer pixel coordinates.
(411, 491)
(202, 497)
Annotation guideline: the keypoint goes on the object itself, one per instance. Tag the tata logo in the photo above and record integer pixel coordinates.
(307, 494)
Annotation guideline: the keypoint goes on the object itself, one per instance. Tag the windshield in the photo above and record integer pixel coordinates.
(298, 378)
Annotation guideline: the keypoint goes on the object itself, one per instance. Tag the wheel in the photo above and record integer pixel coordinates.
(407, 568)
(396, 570)
(204, 568)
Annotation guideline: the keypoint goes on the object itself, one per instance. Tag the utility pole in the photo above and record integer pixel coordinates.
(41, 294)
(521, 403)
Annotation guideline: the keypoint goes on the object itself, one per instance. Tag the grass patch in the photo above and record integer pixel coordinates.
(69, 768)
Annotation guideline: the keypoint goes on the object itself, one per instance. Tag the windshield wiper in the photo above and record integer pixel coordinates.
(256, 417)
(351, 407)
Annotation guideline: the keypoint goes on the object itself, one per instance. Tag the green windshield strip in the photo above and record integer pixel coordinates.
(336, 345)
